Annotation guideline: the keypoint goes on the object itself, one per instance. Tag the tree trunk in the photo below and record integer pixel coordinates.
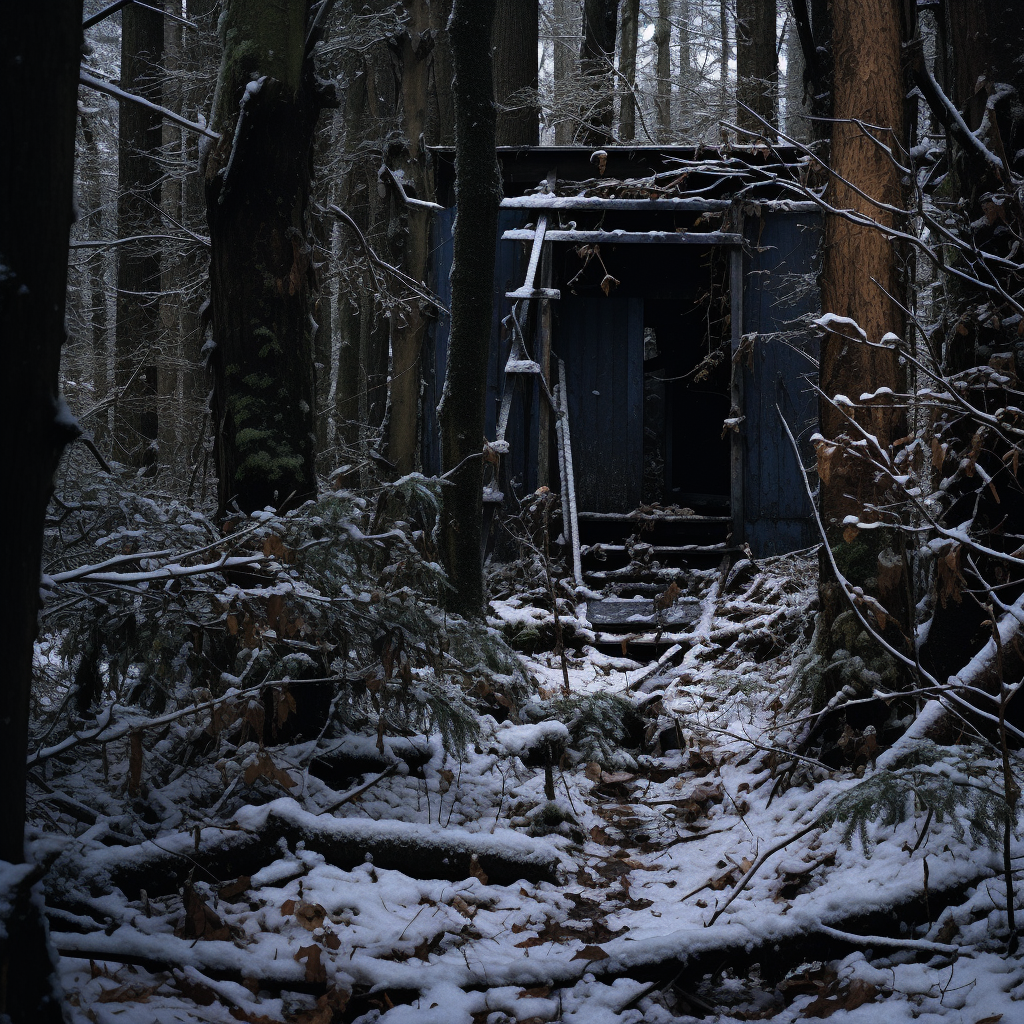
(685, 91)
(40, 51)
(515, 72)
(442, 126)
(565, 18)
(261, 276)
(597, 64)
(757, 68)
(174, 432)
(409, 328)
(137, 329)
(869, 86)
(627, 69)
(96, 266)
(724, 56)
(663, 69)
(797, 125)
(477, 195)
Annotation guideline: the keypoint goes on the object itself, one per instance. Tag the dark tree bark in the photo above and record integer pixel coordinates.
(40, 50)
(477, 195)
(412, 230)
(757, 66)
(869, 86)
(137, 326)
(597, 62)
(627, 68)
(515, 72)
(663, 41)
(442, 118)
(262, 284)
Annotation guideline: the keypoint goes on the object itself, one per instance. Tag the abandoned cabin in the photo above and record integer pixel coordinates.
(651, 332)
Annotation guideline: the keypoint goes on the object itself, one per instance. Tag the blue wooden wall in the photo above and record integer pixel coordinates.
(509, 269)
(601, 340)
(777, 512)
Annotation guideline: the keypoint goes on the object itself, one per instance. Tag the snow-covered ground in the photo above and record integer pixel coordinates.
(634, 861)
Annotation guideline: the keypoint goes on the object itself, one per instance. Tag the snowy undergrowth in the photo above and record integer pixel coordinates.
(647, 847)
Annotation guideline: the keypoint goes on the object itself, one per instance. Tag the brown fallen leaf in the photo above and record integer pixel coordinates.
(201, 921)
(233, 890)
(310, 915)
(329, 1007)
(591, 953)
(476, 871)
(127, 994)
(857, 994)
(315, 970)
(539, 992)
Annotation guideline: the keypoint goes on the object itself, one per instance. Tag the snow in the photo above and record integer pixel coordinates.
(644, 855)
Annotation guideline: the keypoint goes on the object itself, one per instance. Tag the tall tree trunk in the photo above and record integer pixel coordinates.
(137, 329)
(477, 195)
(40, 51)
(174, 432)
(797, 125)
(96, 267)
(565, 17)
(515, 72)
(685, 91)
(261, 276)
(442, 127)
(757, 68)
(597, 62)
(409, 329)
(663, 68)
(627, 69)
(724, 58)
(868, 86)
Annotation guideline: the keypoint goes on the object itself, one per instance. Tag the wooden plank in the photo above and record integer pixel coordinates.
(620, 237)
(736, 439)
(777, 512)
(546, 201)
(570, 481)
(650, 517)
(618, 611)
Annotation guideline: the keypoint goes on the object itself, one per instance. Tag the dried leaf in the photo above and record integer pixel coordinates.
(539, 992)
(591, 953)
(445, 780)
(135, 762)
(948, 575)
(310, 915)
(593, 771)
(232, 624)
(850, 533)
(668, 598)
(329, 1007)
(284, 705)
(275, 609)
(476, 871)
(608, 283)
(463, 907)
(315, 970)
(264, 768)
(201, 921)
(826, 453)
(233, 890)
(858, 993)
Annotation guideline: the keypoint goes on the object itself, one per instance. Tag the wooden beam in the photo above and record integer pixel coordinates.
(706, 238)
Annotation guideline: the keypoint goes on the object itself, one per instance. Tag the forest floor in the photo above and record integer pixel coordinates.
(457, 891)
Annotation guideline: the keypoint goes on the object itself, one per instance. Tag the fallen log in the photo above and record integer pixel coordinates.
(219, 854)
